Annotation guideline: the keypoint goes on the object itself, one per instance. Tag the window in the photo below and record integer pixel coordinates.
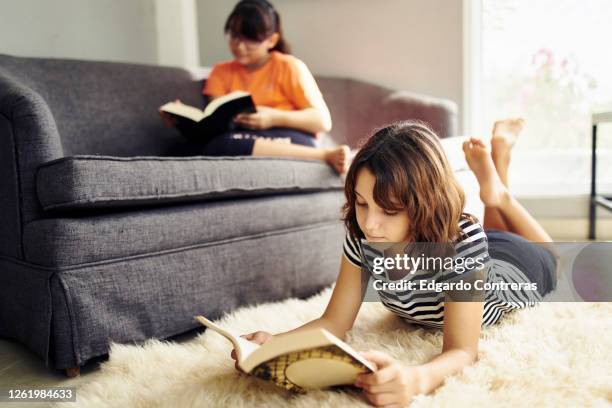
(548, 62)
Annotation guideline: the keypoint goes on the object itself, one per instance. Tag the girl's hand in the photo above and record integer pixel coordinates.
(392, 385)
(168, 119)
(259, 337)
(264, 118)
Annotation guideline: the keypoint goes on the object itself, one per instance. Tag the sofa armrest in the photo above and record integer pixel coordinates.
(440, 114)
(370, 106)
(28, 138)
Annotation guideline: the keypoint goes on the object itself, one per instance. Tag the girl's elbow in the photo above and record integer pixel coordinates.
(324, 121)
(320, 126)
(327, 127)
(326, 124)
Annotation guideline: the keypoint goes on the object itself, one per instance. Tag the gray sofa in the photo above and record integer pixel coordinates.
(104, 238)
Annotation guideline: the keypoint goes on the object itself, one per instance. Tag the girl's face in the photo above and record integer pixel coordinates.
(377, 224)
(250, 53)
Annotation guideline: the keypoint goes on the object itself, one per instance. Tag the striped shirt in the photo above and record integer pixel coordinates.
(427, 307)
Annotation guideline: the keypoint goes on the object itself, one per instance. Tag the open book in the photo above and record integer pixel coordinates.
(298, 361)
(217, 117)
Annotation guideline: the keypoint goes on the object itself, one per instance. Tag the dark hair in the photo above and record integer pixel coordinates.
(412, 173)
(256, 20)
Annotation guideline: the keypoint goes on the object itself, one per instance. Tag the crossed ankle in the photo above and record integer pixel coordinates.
(504, 197)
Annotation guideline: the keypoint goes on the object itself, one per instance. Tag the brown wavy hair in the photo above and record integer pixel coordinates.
(412, 173)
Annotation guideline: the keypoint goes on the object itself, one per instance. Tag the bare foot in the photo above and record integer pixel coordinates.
(504, 135)
(492, 190)
(338, 158)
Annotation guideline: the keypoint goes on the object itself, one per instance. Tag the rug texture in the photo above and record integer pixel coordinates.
(552, 355)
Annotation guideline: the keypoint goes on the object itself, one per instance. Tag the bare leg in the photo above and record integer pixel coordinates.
(504, 135)
(495, 194)
(336, 157)
(494, 220)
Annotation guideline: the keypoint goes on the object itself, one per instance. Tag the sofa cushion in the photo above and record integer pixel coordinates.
(64, 241)
(82, 182)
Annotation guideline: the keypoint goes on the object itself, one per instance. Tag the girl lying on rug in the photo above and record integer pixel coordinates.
(291, 110)
(400, 188)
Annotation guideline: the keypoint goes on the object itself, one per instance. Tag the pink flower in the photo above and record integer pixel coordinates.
(543, 58)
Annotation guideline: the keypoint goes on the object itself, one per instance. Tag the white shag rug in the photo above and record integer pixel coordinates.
(556, 355)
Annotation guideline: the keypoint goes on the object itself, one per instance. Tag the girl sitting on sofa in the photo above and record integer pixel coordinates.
(290, 107)
(400, 188)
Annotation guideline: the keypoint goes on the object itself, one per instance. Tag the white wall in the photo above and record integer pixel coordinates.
(114, 30)
(177, 33)
(408, 44)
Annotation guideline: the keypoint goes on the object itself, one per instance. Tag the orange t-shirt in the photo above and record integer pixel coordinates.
(283, 82)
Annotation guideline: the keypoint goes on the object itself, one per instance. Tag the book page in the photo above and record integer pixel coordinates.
(320, 367)
(183, 110)
(244, 348)
(327, 370)
(215, 103)
(302, 340)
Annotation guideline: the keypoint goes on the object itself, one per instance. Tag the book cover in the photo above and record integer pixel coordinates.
(299, 361)
(217, 117)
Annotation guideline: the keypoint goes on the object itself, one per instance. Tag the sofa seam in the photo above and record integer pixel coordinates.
(171, 159)
(69, 268)
(76, 350)
(190, 194)
(17, 180)
(204, 245)
(49, 321)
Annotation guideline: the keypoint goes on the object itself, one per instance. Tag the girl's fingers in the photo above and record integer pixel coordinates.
(382, 399)
(383, 375)
(245, 116)
(381, 388)
(378, 357)
(245, 120)
(242, 119)
(258, 337)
